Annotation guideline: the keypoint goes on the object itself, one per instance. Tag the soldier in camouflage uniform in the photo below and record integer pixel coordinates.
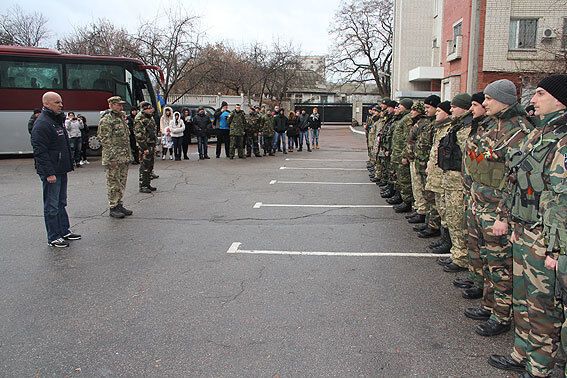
(114, 137)
(237, 123)
(389, 190)
(145, 131)
(485, 165)
(253, 127)
(408, 156)
(450, 161)
(422, 148)
(537, 187)
(267, 132)
(370, 136)
(382, 118)
(400, 169)
(434, 174)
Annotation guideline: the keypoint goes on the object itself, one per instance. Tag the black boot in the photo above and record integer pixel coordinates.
(403, 207)
(420, 227)
(445, 246)
(126, 212)
(428, 233)
(491, 328)
(417, 218)
(506, 363)
(116, 213)
(395, 199)
(477, 313)
(410, 215)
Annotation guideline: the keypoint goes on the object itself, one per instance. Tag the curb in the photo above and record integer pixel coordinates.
(356, 131)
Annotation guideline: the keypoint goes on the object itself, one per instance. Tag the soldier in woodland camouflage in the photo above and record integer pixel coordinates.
(537, 186)
(114, 137)
(253, 127)
(145, 131)
(237, 123)
(389, 190)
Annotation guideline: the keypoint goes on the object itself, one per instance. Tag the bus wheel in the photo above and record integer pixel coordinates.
(94, 143)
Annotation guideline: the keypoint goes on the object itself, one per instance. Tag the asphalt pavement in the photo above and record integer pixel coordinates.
(232, 268)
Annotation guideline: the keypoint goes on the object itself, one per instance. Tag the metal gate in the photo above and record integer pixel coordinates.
(341, 113)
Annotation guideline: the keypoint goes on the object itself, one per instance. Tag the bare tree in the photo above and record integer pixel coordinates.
(175, 47)
(362, 34)
(100, 38)
(23, 29)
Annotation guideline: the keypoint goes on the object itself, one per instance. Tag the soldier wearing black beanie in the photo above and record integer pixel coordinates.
(432, 100)
(556, 85)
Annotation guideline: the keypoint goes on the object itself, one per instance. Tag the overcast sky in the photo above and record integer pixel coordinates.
(240, 22)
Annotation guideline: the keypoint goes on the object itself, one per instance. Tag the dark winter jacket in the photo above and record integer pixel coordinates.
(314, 121)
(293, 127)
(31, 122)
(280, 123)
(304, 122)
(201, 124)
(50, 142)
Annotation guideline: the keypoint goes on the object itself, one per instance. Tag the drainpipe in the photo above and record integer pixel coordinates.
(472, 70)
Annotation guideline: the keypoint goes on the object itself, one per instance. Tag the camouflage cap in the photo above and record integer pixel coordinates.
(418, 106)
(116, 100)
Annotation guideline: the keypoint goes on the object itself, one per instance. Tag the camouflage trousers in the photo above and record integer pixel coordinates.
(146, 167)
(252, 144)
(371, 138)
(116, 176)
(440, 206)
(496, 255)
(432, 217)
(383, 168)
(452, 208)
(403, 182)
(237, 143)
(417, 188)
(537, 313)
(561, 291)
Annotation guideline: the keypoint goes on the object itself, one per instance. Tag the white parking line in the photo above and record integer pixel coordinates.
(292, 159)
(322, 169)
(235, 249)
(320, 182)
(258, 205)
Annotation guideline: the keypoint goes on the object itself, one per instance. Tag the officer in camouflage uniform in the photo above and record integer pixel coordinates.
(434, 174)
(423, 142)
(145, 132)
(114, 137)
(388, 191)
(537, 187)
(237, 123)
(370, 136)
(253, 127)
(485, 164)
(408, 156)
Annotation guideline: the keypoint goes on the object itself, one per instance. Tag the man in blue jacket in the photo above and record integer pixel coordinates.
(52, 157)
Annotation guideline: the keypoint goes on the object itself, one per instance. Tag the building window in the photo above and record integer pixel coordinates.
(457, 31)
(523, 34)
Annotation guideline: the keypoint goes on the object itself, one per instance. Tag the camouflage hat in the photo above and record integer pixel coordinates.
(116, 100)
(145, 105)
(418, 106)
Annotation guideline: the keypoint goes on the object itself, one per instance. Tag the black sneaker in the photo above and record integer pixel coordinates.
(126, 212)
(72, 236)
(58, 243)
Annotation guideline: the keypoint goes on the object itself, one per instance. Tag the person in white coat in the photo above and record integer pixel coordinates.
(177, 129)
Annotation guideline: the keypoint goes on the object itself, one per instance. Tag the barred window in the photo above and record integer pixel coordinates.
(523, 33)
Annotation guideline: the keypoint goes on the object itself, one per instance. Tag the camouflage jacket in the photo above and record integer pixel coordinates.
(114, 136)
(267, 125)
(387, 132)
(532, 189)
(434, 182)
(237, 123)
(423, 141)
(145, 130)
(484, 160)
(400, 136)
(419, 123)
(253, 123)
(453, 180)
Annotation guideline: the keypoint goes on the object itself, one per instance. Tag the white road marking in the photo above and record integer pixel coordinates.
(320, 182)
(235, 249)
(322, 169)
(292, 159)
(258, 205)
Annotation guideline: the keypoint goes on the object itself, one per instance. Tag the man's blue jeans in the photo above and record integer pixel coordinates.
(303, 135)
(202, 146)
(277, 138)
(54, 203)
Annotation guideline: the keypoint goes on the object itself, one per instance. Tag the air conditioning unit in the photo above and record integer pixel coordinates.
(549, 33)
